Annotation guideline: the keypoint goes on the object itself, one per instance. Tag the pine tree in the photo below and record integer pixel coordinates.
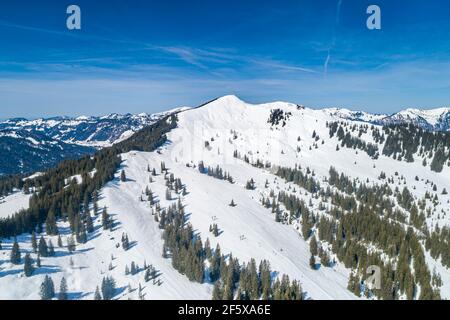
(217, 292)
(108, 288)
(125, 242)
(42, 247)
(38, 261)
(34, 242)
(50, 224)
(123, 176)
(81, 235)
(97, 295)
(89, 223)
(71, 246)
(147, 275)
(28, 265)
(106, 219)
(250, 185)
(47, 290)
(215, 264)
(62, 295)
(232, 204)
(133, 269)
(51, 249)
(312, 262)
(60, 243)
(313, 246)
(253, 278)
(15, 255)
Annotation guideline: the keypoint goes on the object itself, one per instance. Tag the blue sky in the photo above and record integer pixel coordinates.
(147, 56)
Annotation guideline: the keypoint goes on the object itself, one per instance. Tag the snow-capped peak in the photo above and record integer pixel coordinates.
(431, 116)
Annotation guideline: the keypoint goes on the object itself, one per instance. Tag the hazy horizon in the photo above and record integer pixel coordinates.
(201, 103)
(135, 56)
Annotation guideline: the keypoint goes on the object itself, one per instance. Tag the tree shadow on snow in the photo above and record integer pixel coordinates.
(76, 295)
(132, 244)
(46, 270)
(120, 290)
(10, 272)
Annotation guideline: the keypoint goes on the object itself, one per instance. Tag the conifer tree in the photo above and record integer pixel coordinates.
(89, 223)
(312, 262)
(81, 235)
(34, 241)
(71, 246)
(47, 290)
(253, 278)
(51, 249)
(108, 288)
(60, 243)
(42, 247)
(106, 219)
(28, 265)
(125, 242)
(123, 176)
(313, 246)
(15, 256)
(97, 295)
(50, 224)
(217, 292)
(133, 269)
(62, 295)
(215, 264)
(147, 275)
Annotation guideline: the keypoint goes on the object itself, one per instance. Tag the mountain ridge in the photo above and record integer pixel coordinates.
(35, 141)
(436, 119)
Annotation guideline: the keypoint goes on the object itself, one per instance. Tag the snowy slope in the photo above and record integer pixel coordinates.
(218, 119)
(91, 260)
(13, 203)
(207, 202)
(36, 145)
(211, 134)
(437, 119)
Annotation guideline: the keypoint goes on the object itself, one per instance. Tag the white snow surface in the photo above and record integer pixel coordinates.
(247, 230)
(13, 203)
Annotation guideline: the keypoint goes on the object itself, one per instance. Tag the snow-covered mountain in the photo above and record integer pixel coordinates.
(86, 130)
(347, 114)
(34, 145)
(319, 200)
(433, 119)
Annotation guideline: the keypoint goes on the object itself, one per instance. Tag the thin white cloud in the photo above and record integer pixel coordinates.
(386, 90)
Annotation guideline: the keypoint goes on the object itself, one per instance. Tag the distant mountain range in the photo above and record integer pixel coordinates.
(433, 119)
(34, 145)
